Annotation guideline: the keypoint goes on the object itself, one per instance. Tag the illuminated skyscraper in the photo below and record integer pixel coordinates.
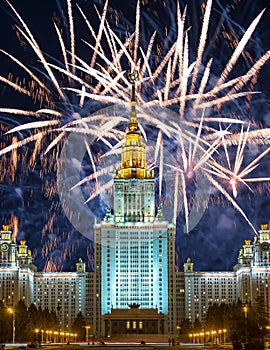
(132, 245)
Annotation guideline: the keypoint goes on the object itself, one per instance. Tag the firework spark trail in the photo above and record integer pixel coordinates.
(137, 31)
(33, 76)
(179, 46)
(237, 175)
(203, 84)
(14, 158)
(231, 200)
(64, 51)
(72, 35)
(161, 168)
(33, 125)
(30, 39)
(185, 76)
(186, 211)
(146, 59)
(174, 81)
(22, 143)
(15, 86)
(239, 49)
(101, 27)
(251, 73)
(19, 112)
(176, 186)
(202, 43)
(102, 188)
(258, 137)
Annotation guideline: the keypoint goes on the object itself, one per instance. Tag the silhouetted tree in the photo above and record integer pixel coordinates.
(244, 328)
(186, 329)
(78, 326)
(5, 324)
(252, 326)
(218, 316)
(21, 321)
(238, 326)
(27, 320)
(197, 325)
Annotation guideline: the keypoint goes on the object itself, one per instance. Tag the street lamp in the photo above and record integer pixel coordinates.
(245, 308)
(224, 332)
(191, 337)
(37, 333)
(178, 328)
(11, 311)
(87, 333)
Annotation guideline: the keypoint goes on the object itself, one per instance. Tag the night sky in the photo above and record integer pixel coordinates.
(215, 241)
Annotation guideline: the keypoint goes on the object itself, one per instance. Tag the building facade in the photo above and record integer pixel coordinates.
(133, 248)
(16, 270)
(134, 287)
(189, 296)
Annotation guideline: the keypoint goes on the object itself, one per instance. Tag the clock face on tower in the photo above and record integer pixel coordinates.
(4, 247)
(265, 247)
(132, 184)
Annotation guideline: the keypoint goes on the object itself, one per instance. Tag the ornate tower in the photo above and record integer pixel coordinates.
(8, 254)
(134, 195)
(134, 248)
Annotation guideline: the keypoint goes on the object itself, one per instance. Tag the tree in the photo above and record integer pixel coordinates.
(218, 316)
(238, 326)
(186, 329)
(246, 326)
(256, 325)
(197, 325)
(21, 321)
(5, 324)
(78, 326)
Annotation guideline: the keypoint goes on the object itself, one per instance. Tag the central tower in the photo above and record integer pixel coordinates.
(134, 183)
(132, 246)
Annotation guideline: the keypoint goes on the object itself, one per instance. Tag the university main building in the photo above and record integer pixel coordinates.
(134, 287)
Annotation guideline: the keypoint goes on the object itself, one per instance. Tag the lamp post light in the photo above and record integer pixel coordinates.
(213, 333)
(190, 337)
(207, 336)
(48, 336)
(202, 337)
(178, 328)
(87, 333)
(55, 336)
(37, 331)
(67, 337)
(224, 333)
(11, 311)
(62, 336)
(219, 336)
(245, 308)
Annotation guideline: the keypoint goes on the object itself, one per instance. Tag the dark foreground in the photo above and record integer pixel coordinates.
(83, 346)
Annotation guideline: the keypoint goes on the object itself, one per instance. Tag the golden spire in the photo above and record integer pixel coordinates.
(134, 150)
(133, 121)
